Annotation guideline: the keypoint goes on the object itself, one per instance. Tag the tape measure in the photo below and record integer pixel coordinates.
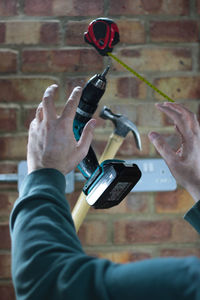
(103, 34)
(140, 77)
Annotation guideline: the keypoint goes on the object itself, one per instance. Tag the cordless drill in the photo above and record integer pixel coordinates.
(108, 183)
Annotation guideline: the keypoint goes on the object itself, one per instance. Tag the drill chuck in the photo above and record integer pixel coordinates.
(91, 95)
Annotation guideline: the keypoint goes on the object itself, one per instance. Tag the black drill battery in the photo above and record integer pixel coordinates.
(110, 183)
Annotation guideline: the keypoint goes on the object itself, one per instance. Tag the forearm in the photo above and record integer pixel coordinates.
(47, 258)
(48, 261)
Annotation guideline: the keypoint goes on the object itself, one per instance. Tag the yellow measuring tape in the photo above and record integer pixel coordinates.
(140, 77)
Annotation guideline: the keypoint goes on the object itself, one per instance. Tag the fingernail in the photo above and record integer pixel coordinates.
(52, 87)
(40, 105)
(153, 135)
(78, 88)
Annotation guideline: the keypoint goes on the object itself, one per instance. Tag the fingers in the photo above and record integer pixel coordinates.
(183, 118)
(162, 147)
(86, 137)
(49, 111)
(72, 103)
(39, 113)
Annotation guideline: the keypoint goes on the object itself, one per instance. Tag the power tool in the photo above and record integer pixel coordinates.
(108, 183)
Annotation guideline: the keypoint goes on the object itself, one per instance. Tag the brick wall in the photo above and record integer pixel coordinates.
(41, 42)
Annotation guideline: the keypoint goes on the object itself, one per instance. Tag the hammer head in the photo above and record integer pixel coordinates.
(122, 125)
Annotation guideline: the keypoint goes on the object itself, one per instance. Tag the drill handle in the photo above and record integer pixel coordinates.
(89, 164)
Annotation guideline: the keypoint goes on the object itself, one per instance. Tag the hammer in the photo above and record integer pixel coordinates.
(122, 127)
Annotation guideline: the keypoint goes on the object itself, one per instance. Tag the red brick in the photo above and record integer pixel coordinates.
(18, 32)
(31, 32)
(127, 232)
(8, 8)
(73, 197)
(119, 88)
(8, 120)
(8, 61)
(5, 266)
(180, 252)
(178, 201)
(75, 32)
(8, 167)
(155, 59)
(5, 236)
(129, 150)
(76, 60)
(178, 87)
(28, 116)
(8, 185)
(129, 87)
(122, 108)
(2, 32)
(154, 231)
(6, 202)
(99, 145)
(24, 89)
(183, 232)
(148, 115)
(93, 233)
(124, 257)
(147, 7)
(72, 82)
(38, 7)
(135, 202)
(49, 33)
(174, 31)
(7, 291)
(77, 8)
(13, 147)
(63, 8)
(131, 32)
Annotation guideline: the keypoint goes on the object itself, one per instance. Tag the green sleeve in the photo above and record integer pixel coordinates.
(193, 216)
(48, 261)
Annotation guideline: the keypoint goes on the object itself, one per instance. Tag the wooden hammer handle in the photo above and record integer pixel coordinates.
(80, 211)
(113, 145)
(82, 207)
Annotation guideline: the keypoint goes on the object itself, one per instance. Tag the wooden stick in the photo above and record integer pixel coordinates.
(82, 207)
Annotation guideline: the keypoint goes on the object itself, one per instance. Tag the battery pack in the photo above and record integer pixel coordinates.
(110, 183)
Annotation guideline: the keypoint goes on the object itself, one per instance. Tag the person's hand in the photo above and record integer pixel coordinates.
(185, 162)
(51, 142)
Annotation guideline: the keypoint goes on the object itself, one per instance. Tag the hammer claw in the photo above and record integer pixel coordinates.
(137, 138)
(122, 125)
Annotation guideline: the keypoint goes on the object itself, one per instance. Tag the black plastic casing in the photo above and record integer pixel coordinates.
(91, 95)
(111, 182)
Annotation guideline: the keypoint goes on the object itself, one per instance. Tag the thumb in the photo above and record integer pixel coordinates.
(86, 137)
(161, 146)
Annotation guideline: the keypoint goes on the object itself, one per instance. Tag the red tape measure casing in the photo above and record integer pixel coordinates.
(103, 34)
